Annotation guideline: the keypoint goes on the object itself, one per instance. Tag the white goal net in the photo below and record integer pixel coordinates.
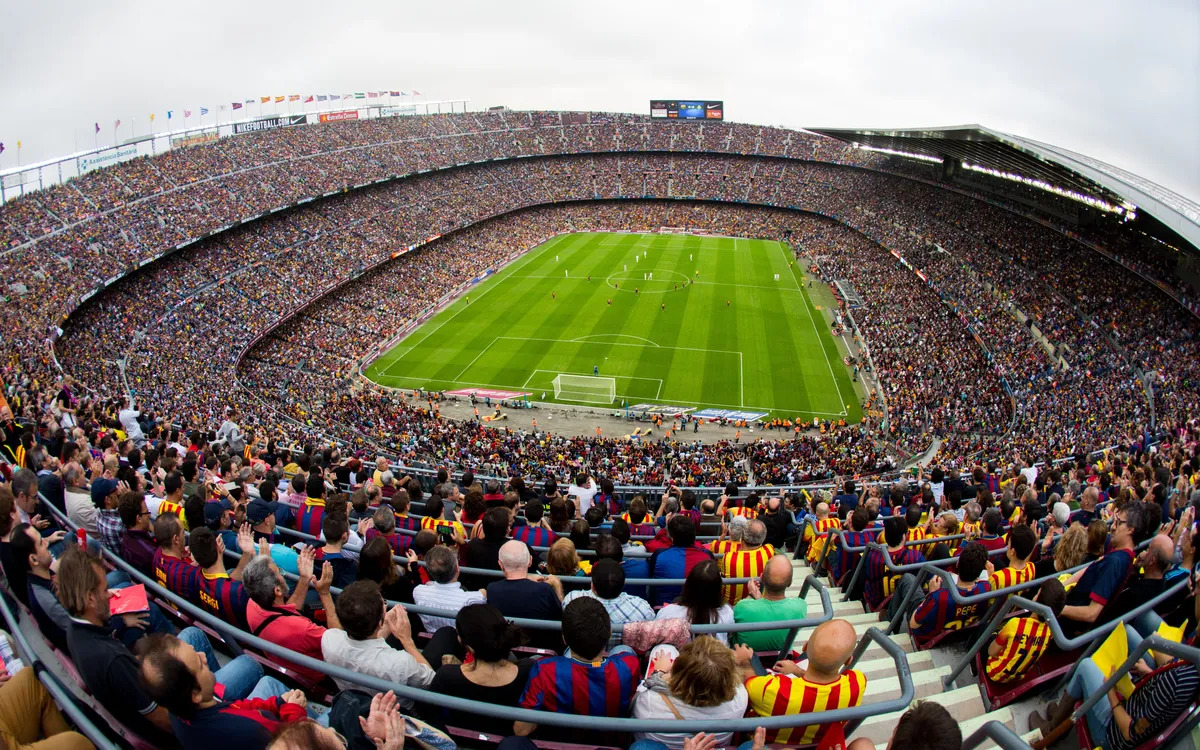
(586, 388)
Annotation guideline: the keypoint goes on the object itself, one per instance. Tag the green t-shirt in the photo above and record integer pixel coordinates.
(764, 610)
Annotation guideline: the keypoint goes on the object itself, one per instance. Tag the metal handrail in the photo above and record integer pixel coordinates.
(860, 569)
(57, 690)
(1158, 644)
(489, 573)
(236, 638)
(1091, 638)
(957, 596)
(995, 731)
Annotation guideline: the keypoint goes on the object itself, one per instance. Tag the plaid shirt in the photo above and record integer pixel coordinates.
(112, 530)
(622, 609)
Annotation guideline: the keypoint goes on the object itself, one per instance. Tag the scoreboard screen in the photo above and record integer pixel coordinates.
(677, 109)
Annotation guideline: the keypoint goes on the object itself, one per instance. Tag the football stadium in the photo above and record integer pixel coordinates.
(383, 420)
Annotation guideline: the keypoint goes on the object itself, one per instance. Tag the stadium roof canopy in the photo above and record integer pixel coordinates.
(1011, 155)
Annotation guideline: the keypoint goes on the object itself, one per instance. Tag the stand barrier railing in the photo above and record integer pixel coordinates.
(62, 696)
(237, 640)
(1090, 640)
(1006, 738)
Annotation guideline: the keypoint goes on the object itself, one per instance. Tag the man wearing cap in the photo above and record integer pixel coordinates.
(261, 519)
(108, 520)
(220, 519)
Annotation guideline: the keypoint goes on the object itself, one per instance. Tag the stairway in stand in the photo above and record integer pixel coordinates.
(965, 704)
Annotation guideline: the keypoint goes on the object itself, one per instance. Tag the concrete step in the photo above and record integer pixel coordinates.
(927, 682)
(874, 650)
(964, 704)
(877, 664)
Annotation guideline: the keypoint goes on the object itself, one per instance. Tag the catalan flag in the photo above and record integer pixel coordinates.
(279, 99)
(264, 99)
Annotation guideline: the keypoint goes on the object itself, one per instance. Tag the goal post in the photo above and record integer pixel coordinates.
(589, 389)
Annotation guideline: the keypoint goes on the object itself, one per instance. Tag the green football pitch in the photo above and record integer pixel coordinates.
(687, 320)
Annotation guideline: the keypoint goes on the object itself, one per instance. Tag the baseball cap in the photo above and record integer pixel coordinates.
(213, 512)
(257, 511)
(101, 489)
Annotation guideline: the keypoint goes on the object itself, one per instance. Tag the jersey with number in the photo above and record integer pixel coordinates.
(939, 612)
(1023, 641)
(881, 582)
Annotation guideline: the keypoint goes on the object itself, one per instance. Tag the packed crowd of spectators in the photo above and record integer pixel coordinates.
(355, 564)
(952, 358)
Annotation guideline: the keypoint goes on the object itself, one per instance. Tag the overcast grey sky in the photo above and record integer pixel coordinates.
(1117, 80)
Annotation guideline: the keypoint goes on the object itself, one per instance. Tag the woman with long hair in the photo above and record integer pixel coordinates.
(375, 563)
(702, 601)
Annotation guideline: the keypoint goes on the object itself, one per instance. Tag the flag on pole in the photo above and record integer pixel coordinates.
(393, 93)
(264, 99)
(403, 93)
(359, 95)
(170, 113)
(309, 99)
(373, 94)
(203, 111)
(151, 117)
(187, 113)
(223, 108)
(416, 93)
(321, 97)
(334, 97)
(294, 98)
(248, 101)
(278, 99)
(97, 127)
(237, 105)
(1, 147)
(116, 124)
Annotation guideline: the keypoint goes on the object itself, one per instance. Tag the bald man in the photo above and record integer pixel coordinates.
(815, 535)
(768, 602)
(824, 686)
(518, 595)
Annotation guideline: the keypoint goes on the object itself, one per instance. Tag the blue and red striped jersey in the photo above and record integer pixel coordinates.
(881, 582)
(534, 536)
(311, 515)
(600, 688)
(674, 562)
(940, 612)
(407, 523)
(224, 597)
(399, 543)
(177, 575)
(844, 560)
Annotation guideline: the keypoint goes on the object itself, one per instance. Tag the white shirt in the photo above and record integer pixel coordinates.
(449, 596)
(724, 617)
(128, 419)
(648, 704)
(80, 509)
(376, 658)
(585, 495)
